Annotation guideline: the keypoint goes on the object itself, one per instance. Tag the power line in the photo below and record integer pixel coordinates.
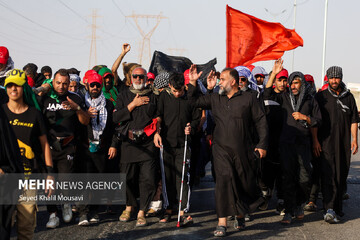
(118, 8)
(38, 24)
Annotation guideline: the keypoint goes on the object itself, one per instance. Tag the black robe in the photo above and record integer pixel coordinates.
(335, 139)
(236, 190)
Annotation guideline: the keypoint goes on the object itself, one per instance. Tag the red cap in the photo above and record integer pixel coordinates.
(186, 76)
(324, 87)
(4, 55)
(283, 73)
(259, 74)
(150, 76)
(94, 78)
(87, 74)
(309, 78)
(326, 79)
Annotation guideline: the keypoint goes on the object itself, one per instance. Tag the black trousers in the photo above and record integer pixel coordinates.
(315, 177)
(63, 162)
(271, 177)
(92, 163)
(140, 181)
(6, 212)
(296, 169)
(334, 172)
(173, 164)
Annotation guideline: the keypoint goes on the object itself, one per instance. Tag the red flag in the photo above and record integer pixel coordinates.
(250, 39)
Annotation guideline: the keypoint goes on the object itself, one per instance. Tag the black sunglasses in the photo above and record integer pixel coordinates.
(141, 76)
(243, 79)
(95, 84)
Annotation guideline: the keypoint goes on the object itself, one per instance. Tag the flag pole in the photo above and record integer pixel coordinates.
(324, 44)
(293, 56)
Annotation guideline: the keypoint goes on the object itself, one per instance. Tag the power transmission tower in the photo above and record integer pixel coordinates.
(180, 51)
(145, 43)
(93, 57)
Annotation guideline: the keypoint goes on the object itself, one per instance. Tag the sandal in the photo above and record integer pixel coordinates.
(220, 231)
(165, 218)
(239, 223)
(186, 221)
(125, 216)
(141, 222)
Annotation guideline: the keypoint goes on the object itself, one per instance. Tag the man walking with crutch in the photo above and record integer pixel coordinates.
(175, 112)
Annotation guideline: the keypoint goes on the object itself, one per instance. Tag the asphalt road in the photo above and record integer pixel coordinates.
(265, 224)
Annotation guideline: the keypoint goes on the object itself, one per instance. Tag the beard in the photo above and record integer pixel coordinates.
(224, 91)
(108, 86)
(138, 86)
(94, 94)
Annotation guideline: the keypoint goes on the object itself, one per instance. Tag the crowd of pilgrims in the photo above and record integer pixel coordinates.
(265, 134)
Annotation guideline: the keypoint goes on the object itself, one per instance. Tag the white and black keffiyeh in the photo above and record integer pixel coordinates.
(162, 80)
(98, 123)
(9, 66)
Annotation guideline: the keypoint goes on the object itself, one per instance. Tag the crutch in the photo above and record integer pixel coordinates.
(182, 182)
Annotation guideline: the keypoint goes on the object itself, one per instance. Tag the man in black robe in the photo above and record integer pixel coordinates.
(234, 111)
(300, 113)
(340, 118)
(135, 110)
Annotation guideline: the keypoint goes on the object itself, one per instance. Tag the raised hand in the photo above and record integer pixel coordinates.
(126, 48)
(211, 80)
(193, 75)
(70, 104)
(92, 112)
(278, 66)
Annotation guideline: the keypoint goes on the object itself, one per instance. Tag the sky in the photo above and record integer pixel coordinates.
(58, 32)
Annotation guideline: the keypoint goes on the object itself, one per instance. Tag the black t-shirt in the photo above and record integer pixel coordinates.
(60, 122)
(28, 127)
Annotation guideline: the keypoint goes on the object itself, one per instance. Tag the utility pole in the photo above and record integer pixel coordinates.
(324, 44)
(93, 57)
(293, 56)
(180, 51)
(145, 43)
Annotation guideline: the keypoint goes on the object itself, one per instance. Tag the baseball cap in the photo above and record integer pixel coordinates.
(4, 54)
(283, 73)
(87, 74)
(94, 78)
(309, 78)
(150, 76)
(15, 76)
(186, 76)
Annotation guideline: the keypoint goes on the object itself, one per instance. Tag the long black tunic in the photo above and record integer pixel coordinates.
(233, 149)
(335, 138)
(138, 119)
(175, 114)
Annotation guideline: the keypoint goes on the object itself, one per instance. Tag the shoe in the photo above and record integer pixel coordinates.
(299, 213)
(53, 222)
(220, 231)
(346, 196)
(310, 207)
(141, 222)
(186, 221)
(67, 213)
(286, 219)
(264, 205)
(280, 209)
(125, 216)
(83, 221)
(248, 217)
(330, 217)
(151, 213)
(95, 219)
(239, 224)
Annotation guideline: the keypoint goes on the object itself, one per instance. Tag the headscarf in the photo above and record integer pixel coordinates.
(112, 93)
(260, 70)
(75, 78)
(162, 80)
(245, 72)
(9, 66)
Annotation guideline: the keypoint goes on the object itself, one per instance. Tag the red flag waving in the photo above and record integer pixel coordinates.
(250, 39)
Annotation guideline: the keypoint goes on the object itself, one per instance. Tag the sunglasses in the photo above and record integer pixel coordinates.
(243, 79)
(141, 76)
(95, 84)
